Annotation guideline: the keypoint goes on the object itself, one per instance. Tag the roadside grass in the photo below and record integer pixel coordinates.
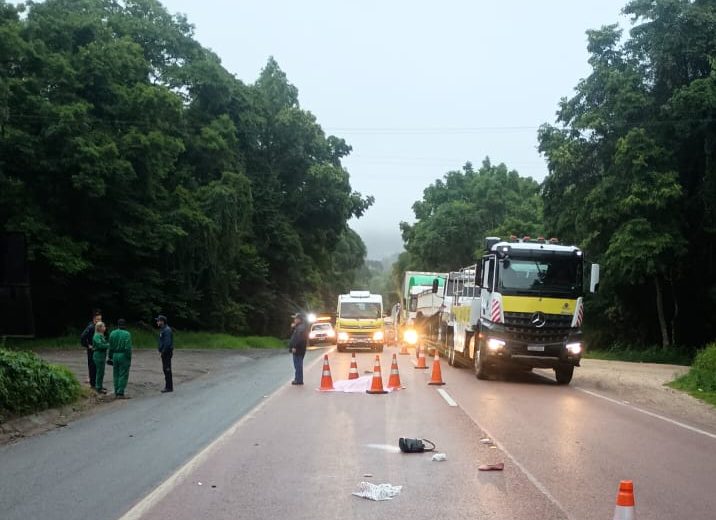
(147, 339)
(700, 381)
(647, 355)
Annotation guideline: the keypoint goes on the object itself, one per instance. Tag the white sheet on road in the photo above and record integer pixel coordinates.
(377, 491)
(357, 386)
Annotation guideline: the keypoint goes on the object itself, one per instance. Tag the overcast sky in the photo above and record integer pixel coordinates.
(417, 88)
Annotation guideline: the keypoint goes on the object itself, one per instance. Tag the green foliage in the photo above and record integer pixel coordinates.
(28, 384)
(460, 210)
(621, 352)
(700, 381)
(632, 174)
(148, 178)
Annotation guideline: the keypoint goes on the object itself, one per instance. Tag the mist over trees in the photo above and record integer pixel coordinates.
(146, 177)
(632, 180)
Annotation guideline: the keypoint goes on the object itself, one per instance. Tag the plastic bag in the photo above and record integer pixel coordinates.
(377, 491)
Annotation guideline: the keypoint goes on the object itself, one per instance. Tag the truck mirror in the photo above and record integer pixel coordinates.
(594, 279)
(436, 285)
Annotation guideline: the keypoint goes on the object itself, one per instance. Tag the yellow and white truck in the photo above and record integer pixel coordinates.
(359, 321)
(522, 306)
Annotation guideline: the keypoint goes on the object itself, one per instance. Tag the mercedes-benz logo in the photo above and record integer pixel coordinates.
(538, 320)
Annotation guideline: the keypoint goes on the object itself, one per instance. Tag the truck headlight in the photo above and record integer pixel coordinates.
(342, 336)
(410, 336)
(574, 348)
(495, 344)
(378, 335)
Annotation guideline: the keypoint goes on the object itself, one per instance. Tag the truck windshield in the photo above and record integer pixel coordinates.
(558, 275)
(360, 310)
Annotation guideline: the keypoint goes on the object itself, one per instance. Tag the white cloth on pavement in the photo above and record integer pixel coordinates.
(439, 457)
(377, 491)
(355, 386)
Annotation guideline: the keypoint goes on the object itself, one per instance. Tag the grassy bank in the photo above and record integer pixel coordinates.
(29, 384)
(700, 381)
(647, 355)
(144, 338)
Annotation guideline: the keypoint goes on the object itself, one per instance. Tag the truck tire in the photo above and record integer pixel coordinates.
(380, 348)
(481, 370)
(340, 349)
(564, 374)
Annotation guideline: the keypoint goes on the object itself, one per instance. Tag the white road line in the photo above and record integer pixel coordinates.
(536, 483)
(646, 412)
(149, 501)
(450, 401)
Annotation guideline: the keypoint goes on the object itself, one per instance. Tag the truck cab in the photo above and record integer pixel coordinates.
(359, 322)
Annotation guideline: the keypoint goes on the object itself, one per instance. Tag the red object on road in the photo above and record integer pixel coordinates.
(353, 372)
(326, 379)
(421, 358)
(491, 467)
(394, 379)
(625, 508)
(436, 378)
(376, 386)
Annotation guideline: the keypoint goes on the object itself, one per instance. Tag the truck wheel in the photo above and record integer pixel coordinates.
(564, 374)
(340, 349)
(481, 371)
(380, 348)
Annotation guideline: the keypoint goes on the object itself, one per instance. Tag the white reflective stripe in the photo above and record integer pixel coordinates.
(394, 372)
(624, 513)
(326, 373)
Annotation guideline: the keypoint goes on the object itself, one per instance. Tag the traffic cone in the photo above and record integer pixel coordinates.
(394, 379)
(326, 379)
(403, 349)
(376, 387)
(421, 358)
(353, 372)
(436, 377)
(625, 509)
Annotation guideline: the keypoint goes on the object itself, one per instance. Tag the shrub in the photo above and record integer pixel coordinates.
(29, 384)
(703, 371)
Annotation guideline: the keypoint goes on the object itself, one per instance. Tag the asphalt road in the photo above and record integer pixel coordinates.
(97, 467)
(301, 453)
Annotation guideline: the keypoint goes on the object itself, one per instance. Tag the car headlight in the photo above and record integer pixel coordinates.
(342, 336)
(331, 334)
(574, 348)
(410, 336)
(378, 335)
(495, 344)
(312, 335)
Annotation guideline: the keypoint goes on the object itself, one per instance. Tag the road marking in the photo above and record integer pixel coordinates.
(450, 401)
(153, 498)
(647, 412)
(536, 483)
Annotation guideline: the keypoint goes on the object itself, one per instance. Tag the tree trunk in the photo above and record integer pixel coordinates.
(674, 338)
(665, 342)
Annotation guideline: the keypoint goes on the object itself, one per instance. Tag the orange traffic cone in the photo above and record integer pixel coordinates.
(394, 379)
(421, 358)
(376, 387)
(326, 379)
(403, 349)
(353, 372)
(625, 509)
(436, 377)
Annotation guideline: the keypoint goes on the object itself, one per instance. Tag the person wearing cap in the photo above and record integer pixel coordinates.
(297, 347)
(166, 350)
(120, 355)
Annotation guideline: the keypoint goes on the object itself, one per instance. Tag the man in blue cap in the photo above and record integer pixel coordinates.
(297, 346)
(166, 350)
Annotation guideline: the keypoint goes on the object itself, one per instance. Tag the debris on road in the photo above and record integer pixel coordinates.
(486, 440)
(377, 492)
(491, 467)
(439, 457)
(367, 475)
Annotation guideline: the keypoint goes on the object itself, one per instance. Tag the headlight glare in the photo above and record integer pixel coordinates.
(494, 344)
(342, 336)
(410, 336)
(378, 335)
(574, 348)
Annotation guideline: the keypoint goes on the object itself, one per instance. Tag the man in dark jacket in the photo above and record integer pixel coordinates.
(166, 350)
(297, 347)
(86, 342)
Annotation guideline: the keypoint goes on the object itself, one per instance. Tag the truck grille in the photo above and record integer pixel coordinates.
(555, 330)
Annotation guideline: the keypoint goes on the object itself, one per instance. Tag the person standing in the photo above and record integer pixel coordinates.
(166, 351)
(86, 341)
(120, 354)
(100, 345)
(297, 347)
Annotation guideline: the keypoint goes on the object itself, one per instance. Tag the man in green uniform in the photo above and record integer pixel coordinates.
(120, 352)
(99, 348)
